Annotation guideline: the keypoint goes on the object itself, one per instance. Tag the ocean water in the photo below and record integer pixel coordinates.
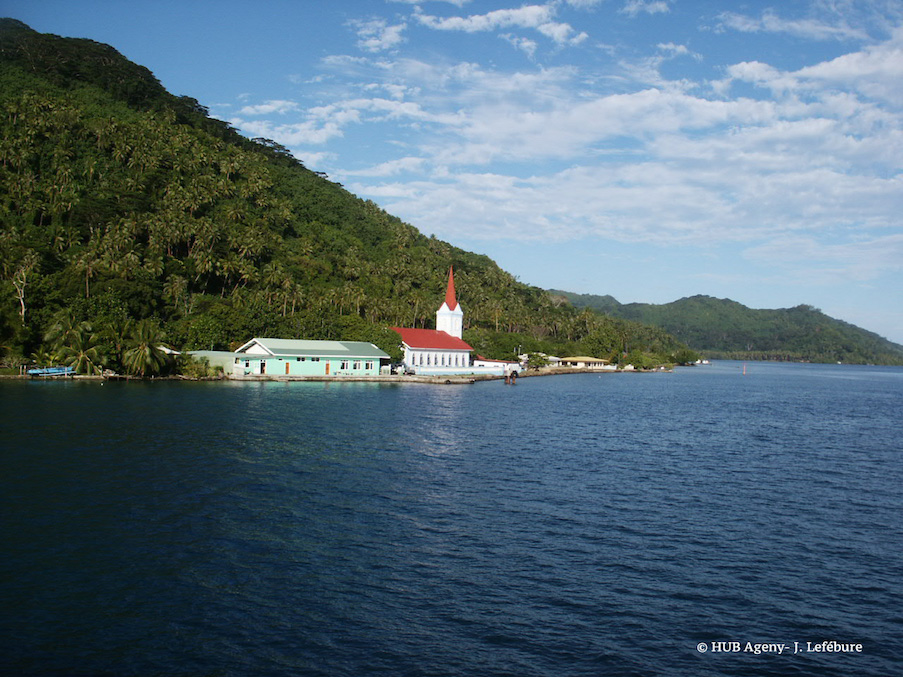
(616, 524)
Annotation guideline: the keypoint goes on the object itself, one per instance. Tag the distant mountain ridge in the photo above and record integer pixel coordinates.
(727, 329)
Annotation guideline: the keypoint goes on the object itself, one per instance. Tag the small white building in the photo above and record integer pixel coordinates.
(582, 362)
(507, 366)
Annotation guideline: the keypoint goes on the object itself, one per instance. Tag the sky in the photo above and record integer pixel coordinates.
(647, 149)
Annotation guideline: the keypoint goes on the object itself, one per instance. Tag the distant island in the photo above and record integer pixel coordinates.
(132, 219)
(721, 328)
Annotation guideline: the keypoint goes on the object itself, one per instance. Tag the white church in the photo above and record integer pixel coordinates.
(441, 350)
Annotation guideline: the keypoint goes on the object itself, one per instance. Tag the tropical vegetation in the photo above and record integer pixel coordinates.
(130, 219)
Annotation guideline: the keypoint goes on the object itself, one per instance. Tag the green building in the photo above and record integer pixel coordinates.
(294, 357)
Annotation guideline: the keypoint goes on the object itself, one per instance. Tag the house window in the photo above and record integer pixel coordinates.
(368, 365)
(344, 364)
(357, 364)
(315, 359)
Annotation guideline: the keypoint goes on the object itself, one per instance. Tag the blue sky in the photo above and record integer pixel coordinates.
(648, 149)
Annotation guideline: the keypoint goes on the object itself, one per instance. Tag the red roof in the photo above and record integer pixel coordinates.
(430, 338)
(450, 299)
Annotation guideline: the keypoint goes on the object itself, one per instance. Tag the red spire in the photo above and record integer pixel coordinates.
(450, 299)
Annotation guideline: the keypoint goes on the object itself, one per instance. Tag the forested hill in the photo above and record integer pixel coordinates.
(725, 328)
(128, 216)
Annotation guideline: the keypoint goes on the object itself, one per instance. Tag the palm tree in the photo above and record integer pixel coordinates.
(116, 334)
(82, 352)
(64, 329)
(44, 358)
(145, 357)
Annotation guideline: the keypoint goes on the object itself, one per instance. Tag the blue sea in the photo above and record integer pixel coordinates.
(701, 522)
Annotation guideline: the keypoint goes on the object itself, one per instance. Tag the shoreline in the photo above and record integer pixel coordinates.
(448, 379)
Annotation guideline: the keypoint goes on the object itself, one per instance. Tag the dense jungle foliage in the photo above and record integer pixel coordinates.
(722, 328)
(129, 218)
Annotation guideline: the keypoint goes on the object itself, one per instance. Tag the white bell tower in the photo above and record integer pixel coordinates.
(450, 317)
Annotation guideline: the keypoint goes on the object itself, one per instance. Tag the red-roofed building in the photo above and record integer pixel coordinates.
(440, 350)
(431, 339)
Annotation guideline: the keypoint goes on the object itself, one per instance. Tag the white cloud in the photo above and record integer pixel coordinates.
(376, 35)
(537, 17)
(526, 45)
(391, 168)
(270, 107)
(769, 22)
(762, 75)
(313, 159)
(635, 7)
(673, 49)
(816, 153)
(647, 70)
(342, 113)
(290, 135)
(663, 166)
(875, 71)
(659, 202)
(584, 4)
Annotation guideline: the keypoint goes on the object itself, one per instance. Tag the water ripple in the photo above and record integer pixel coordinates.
(568, 526)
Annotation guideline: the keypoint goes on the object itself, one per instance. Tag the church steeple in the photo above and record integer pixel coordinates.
(450, 299)
(450, 317)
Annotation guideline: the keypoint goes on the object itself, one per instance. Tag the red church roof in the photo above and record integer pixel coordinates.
(450, 299)
(430, 338)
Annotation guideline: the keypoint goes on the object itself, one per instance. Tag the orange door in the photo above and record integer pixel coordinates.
(327, 368)
(287, 365)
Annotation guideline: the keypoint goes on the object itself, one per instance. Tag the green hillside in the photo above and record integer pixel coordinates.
(128, 216)
(727, 329)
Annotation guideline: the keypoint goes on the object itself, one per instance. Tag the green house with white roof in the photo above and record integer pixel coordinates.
(297, 357)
